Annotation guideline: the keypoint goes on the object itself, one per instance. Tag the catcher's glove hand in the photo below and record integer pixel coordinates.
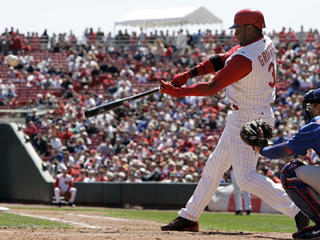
(256, 133)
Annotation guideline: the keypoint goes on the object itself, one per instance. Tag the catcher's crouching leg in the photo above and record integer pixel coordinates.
(300, 193)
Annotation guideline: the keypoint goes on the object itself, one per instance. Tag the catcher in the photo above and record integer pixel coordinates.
(300, 181)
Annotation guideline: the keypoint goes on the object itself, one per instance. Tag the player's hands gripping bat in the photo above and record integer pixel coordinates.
(180, 79)
(110, 105)
(256, 134)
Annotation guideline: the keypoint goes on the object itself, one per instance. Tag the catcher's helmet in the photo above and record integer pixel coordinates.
(249, 16)
(313, 96)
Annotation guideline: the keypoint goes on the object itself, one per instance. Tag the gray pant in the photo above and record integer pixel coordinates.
(310, 175)
(238, 198)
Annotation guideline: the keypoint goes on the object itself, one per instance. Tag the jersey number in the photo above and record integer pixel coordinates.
(271, 69)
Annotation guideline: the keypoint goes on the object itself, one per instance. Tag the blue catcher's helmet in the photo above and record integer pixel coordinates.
(313, 96)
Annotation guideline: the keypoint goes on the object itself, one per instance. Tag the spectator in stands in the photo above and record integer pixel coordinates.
(101, 176)
(80, 146)
(91, 177)
(105, 148)
(82, 175)
(63, 186)
(31, 130)
(16, 44)
(119, 177)
(297, 62)
(44, 39)
(84, 135)
(9, 94)
(33, 117)
(155, 174)
(5, 44)
(181, 41)
(40, 144)
(158, 50)
(92, 127)
(55, 141)
(55, 160)
(68, 160)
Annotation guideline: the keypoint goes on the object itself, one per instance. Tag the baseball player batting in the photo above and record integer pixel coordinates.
(300, 181)
(248, 72)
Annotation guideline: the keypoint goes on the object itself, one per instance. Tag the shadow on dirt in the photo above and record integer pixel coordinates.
(248, 235)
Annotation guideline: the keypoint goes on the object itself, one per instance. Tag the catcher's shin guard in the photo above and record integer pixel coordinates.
(300, 193)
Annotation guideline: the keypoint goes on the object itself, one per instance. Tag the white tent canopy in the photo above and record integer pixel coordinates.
(168, 17)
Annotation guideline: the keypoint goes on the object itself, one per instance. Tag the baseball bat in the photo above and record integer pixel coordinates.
(110, 105)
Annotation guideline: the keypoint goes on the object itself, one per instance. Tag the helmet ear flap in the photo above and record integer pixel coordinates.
(307, 116)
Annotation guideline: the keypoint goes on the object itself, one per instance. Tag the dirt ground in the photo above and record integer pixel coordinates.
(95, 226)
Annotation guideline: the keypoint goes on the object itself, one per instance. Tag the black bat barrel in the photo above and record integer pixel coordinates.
(101, 109)
(108, 106)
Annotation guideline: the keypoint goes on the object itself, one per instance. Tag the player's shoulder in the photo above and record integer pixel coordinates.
(255, 48)
(310, 130)
(229, 52)
(316, 120)
(314, 123)
(68, 176)
(235, 48)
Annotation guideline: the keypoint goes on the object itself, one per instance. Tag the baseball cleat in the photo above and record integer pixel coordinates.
(181, 224)
(301, 221)
(312, 232)
(238, 212)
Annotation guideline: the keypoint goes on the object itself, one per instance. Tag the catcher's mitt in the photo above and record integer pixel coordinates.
(256, 133)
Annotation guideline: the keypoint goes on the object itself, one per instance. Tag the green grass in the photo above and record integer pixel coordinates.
(208, 220)
(9, 220)
(217, 221)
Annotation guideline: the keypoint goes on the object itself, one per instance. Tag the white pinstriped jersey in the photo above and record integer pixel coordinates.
(64, 183)
(257, 88)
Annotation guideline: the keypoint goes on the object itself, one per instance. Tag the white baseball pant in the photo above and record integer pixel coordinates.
(57, 193)
(231, 150)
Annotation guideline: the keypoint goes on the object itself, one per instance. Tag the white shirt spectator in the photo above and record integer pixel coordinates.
(55, 143)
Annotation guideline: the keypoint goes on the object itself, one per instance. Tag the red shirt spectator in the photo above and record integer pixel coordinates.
(16, 42)
(31, 130)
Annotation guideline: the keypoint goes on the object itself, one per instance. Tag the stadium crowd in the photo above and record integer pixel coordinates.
(156, 138)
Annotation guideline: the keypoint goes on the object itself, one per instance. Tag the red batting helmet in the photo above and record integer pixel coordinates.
(249, 16)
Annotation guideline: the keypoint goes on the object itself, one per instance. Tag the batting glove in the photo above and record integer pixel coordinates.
(180, 79)
(168, 88)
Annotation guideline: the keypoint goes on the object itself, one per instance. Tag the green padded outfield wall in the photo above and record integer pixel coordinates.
(21, 175)
(23, 180)
(149, 194)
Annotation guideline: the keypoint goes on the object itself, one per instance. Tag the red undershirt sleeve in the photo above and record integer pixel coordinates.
(214, 63)
(237, 68)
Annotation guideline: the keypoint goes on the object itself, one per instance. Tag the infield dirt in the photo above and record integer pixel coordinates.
(95, 226)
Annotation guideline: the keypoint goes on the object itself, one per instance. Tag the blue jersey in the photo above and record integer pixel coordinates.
(308, 137)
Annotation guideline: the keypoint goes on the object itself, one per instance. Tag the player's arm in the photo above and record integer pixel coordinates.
(303, 140)
(211, 65)
(236, 69)
(56, 183)
(280, 150)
